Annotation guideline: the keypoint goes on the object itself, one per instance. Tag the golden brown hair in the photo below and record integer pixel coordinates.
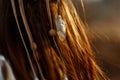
(75, 59)
(76, 50)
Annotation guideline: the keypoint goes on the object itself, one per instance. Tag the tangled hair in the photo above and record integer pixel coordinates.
(79, 62)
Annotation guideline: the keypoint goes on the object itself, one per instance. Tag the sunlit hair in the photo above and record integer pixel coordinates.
(76, 50)
(78, 59)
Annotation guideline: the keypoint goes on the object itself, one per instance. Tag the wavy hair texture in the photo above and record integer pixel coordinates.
(78, 59)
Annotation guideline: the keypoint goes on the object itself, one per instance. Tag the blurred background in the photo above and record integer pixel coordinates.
(103, 18)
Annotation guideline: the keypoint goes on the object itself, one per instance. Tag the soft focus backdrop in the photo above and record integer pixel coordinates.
(103, 18)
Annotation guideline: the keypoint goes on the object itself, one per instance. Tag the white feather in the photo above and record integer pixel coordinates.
(61, 28)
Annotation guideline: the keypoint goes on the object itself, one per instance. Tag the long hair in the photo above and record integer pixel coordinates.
(76, 59)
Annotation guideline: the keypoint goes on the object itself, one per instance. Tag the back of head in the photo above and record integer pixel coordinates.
(71, 58)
